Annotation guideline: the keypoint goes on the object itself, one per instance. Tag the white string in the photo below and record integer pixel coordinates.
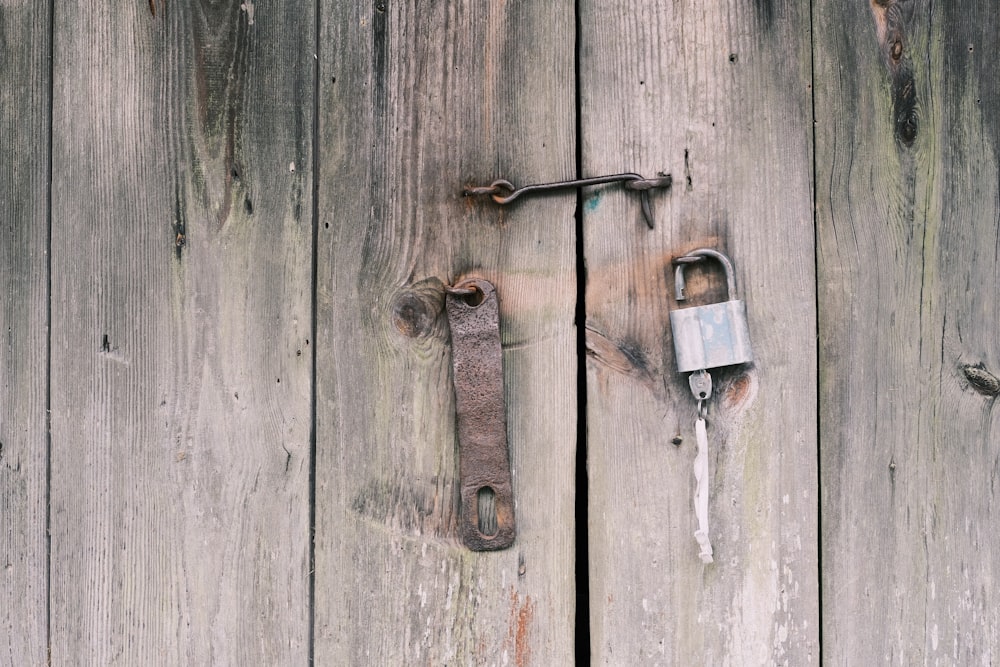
(701, 491)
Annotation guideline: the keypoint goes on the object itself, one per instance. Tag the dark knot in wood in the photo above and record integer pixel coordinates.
(981, 379)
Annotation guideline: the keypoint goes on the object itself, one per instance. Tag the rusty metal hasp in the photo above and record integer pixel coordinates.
(486, 515)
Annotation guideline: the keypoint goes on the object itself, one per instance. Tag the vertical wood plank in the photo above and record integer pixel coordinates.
(416, 102)
(24, 206)
(718, 96)
(180, 323)
(908, 153)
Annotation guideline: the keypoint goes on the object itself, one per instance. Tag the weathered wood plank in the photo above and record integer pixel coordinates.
(908, 153)
(180, 333)
(719, 97)
(416, 102)
(24, 207)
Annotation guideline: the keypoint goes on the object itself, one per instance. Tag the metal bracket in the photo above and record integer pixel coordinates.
(486, 517)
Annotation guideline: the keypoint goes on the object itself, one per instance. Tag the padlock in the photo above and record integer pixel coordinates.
(713, 335)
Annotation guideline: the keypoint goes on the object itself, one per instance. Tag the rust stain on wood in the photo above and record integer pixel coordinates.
(653, 278)
(738, 391)
(519, 631)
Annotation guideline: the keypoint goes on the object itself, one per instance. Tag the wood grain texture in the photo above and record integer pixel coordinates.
(180, 323)
(24, 207)
(416, 103)
(908, 152)
(718, 96)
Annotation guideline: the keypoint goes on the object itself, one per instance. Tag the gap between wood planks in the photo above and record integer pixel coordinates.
(581, 515)
(313, 329)
(816, 288)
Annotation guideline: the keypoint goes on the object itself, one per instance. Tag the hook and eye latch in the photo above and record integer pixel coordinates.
(504, 192)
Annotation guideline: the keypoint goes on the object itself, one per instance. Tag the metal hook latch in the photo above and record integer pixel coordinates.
(504, 192)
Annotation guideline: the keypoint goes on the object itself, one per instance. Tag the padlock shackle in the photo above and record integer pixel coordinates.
(727, 265)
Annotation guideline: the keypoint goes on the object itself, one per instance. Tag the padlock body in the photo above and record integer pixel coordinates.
(711, 336)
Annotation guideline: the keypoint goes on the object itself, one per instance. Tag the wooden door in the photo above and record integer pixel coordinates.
(227, 421)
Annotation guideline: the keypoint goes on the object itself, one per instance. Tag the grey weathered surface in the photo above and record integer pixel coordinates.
(24, 126)
(181, 249)
(908, 152)
(719, 97)
(181, 319)
(416, 102)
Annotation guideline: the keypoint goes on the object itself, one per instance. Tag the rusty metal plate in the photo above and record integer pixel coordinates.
(486, 516)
